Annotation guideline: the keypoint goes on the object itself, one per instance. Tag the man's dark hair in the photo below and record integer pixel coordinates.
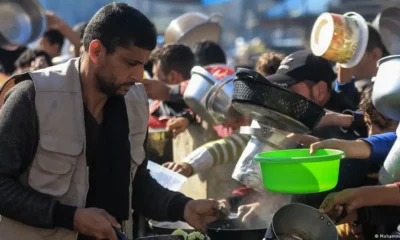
(54, 37)
(375, 41)
(120, 25)
(30, 55)
(208, 52)
(176, 57)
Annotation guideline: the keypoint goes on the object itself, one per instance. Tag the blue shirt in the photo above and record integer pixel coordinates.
(380, 146)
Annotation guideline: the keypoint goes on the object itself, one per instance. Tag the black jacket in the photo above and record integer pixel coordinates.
(18, 142)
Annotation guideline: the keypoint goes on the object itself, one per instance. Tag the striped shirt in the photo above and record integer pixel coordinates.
(228, 149)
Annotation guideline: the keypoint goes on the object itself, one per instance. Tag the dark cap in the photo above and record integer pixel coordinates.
(300, 66)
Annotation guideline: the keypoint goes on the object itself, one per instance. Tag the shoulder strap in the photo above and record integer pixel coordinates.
(10, 83)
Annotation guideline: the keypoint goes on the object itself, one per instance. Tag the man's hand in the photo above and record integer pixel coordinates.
(345, 75)
(335, 119)
(156, 90)
(54, 22)
(96, 223)
(335, 203)
(199, 213)
(182, 168)
(177, 125)
(249, 211)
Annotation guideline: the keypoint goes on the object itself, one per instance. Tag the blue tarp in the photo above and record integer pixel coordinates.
(209, 2)
(288, 8)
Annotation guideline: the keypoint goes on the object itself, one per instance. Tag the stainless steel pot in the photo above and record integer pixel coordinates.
(21, 22)
(386, 91)
(219, 100)
(196, 93)
(387, 23)
(193, 27)
(301, 222)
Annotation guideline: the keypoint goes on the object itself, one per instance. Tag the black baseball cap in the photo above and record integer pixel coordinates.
(300, 66)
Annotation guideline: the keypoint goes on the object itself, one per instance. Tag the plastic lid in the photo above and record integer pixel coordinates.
(322, 34)
(362, 44)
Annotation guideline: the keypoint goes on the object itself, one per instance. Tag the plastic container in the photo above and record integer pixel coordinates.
(340, 38)
(167, 178)
(295, 171)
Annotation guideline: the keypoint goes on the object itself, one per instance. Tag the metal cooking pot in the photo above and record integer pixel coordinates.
(301, 222)
(193, 27)
(234, 229)
(21, 22)
(385, 94)
(387, 23)
(163, 237)
(219, 100)
(165, 228)
(197, 90)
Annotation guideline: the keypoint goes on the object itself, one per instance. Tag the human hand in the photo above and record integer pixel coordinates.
(335, 203)
(177, 125)
(96, 223)
(249, 211)
(54, 21)
(182, 168)
(332, 143)
(39, 63)
(199, 213)
(156, 90)
(345, 75)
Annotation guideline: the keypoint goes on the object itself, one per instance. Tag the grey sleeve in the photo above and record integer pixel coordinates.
(18, 143)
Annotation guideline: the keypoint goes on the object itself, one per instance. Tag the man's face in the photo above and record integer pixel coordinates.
(117, 72)
(52, 49)
(367, 68)
(314, 91)
(170, 78)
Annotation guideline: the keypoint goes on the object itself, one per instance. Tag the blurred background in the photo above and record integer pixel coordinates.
(283, 25)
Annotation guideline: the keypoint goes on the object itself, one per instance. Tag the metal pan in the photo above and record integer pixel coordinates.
(166, 228)
(234, 229)
(193, 27)
(21, 22)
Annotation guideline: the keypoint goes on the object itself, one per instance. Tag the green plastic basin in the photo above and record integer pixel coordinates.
(295, 171)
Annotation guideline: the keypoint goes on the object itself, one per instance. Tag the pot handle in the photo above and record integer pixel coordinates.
(215, 17)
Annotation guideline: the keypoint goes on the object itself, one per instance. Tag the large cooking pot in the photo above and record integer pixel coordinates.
(193, 27)
(385, 94)
(21, 22)
(234, 229)
(163, 237)
(386, 99)
(387, 23)
(301, 222)
(165, 228)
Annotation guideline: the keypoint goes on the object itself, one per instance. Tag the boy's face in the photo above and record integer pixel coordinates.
(52, 49)
(378, 125)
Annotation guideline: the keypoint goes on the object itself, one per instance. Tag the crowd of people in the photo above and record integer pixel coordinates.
(73, 153)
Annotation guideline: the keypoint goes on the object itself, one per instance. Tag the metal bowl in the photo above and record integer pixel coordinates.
(193, 27)
(196, 93)
(21, 22)
(387, 23)
(219, 100)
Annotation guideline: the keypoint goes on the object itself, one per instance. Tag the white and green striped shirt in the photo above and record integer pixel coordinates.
(217, 152)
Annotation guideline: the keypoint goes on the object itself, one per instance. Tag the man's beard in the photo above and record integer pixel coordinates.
(110, 88)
